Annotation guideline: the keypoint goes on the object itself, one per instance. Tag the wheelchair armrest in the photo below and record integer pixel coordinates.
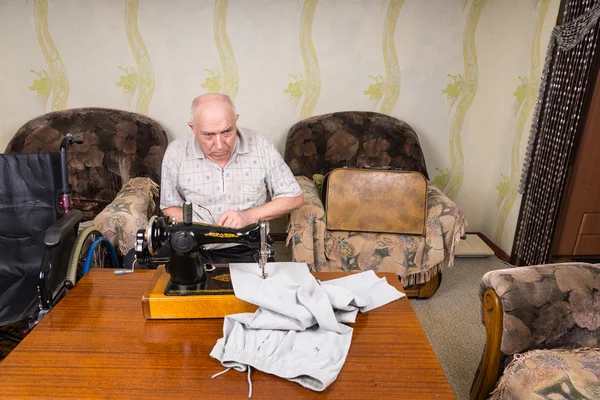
(61, 227)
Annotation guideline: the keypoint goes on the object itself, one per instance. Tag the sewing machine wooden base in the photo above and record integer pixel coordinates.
(214, 300)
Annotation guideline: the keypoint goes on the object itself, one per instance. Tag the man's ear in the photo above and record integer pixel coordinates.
(190, 125)
(236, 117)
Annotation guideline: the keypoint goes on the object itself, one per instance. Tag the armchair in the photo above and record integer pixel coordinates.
(316, 146)
(542, 333)
(121, 151)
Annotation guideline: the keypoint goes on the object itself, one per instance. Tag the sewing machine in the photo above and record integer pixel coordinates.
(187, 284)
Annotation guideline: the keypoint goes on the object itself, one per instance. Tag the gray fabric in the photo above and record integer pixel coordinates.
(290, 298)
(369, 291)
(296, 333)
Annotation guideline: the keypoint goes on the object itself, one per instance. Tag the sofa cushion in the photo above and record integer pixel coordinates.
(128, 212)
(551, 374)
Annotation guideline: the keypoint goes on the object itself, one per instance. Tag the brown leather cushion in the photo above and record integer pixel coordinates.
(368, 200)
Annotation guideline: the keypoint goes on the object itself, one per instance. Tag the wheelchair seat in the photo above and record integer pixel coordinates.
(36, 237)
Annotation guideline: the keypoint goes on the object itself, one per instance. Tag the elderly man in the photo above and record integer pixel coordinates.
(227, 172)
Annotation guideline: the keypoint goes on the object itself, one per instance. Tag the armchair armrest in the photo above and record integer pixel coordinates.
(546, 306)
(446, 224)
(543, 306)
(306, 229)
(128, 212)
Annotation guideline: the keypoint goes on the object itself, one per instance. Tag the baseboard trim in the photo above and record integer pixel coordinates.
(498, 252)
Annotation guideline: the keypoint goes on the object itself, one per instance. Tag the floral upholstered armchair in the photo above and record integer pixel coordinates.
(115, 172)
(543, 333)
(316, 146)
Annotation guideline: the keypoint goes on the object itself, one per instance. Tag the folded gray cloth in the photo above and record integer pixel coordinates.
(296, 332)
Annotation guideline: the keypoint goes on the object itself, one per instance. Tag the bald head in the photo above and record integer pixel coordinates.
(211, 102)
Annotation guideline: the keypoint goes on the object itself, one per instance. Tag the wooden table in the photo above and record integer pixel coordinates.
(96, 343)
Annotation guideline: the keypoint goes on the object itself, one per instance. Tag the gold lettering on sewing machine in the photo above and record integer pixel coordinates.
(221, 235)
(223, 278)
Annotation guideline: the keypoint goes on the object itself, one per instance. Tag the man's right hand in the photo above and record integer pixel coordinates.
(235, 219)
(176, 212)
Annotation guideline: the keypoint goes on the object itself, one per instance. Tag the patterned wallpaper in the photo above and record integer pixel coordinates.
(463, 73)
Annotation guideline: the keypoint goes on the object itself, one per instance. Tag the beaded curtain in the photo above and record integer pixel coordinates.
(555, 126)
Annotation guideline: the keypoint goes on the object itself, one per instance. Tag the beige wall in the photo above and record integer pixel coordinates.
(331, 52)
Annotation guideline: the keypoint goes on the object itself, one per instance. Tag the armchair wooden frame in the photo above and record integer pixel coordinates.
(424, 290)
(489, 369)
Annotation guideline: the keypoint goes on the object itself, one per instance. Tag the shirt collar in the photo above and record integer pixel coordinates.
(240, 147)
(241, 142)
(196, 149)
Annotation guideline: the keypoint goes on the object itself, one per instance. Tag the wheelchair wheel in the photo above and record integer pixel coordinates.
(100, 258)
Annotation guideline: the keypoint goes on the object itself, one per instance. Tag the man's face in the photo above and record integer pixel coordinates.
(215, 129)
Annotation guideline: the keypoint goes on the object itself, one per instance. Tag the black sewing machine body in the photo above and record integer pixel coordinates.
(191, 272)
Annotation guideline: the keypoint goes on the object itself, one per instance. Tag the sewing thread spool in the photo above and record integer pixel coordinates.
(187, 212)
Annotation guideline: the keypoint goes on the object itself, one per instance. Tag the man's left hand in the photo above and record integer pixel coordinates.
(234, 219)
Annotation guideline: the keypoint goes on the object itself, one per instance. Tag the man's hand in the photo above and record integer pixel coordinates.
(176, 212)
(273, 209)
(235, 219)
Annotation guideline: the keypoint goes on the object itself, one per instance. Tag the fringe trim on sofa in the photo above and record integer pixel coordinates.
(419, 278)
(500, 392)
(152, 196)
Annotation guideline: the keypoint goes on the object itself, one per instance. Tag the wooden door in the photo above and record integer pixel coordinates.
(578, 228)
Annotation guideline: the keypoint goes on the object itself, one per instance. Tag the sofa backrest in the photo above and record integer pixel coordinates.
(322, 143)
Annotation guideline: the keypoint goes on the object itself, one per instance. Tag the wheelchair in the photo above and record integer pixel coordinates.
(42, 256)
